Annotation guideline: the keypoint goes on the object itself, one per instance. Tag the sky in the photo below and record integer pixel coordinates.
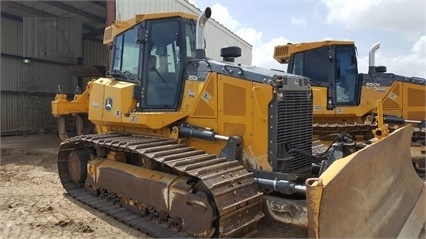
(399, 26)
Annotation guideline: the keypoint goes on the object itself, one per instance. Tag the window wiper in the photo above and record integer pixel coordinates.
(161, 77)
(123, 75)
(316, 82)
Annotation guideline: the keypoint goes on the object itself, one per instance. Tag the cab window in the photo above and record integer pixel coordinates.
(346, 75)
(126, 52)
(164, 64)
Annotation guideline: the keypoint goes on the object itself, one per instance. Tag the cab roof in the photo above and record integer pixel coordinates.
(282, 53)
(120, 26)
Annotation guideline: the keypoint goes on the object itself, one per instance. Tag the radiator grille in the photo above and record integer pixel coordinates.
(294, 131)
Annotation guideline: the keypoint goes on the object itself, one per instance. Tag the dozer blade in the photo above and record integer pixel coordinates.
(373, 193)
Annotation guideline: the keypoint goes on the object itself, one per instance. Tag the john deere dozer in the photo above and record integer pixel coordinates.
(189, 146)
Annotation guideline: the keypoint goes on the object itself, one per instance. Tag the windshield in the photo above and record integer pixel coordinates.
(126, 53)
(313, 64)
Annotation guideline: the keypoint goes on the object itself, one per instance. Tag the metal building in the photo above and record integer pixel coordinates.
(36, 55)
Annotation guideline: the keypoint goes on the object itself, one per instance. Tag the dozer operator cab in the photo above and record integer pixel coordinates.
(327, 64)
(152, 54)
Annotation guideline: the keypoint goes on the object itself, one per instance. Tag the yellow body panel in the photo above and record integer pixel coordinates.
(96, 103)
(400, 99)
(414, 101)
(340, 114)
(154, 120)
(231, 107)
(256, 152)
(119, 94)
(282, 53)
(204, 107)
(201, 99)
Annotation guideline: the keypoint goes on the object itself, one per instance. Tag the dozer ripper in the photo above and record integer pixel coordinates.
(189, 146)
(345, 100)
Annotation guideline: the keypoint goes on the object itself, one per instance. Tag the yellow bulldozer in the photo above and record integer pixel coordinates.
(189, 146)
(345, 100)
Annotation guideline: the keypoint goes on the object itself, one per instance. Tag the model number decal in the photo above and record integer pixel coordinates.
(375, 86)
(192, 77)
(191, 93)
(95, 104)
(206, 97)
(371, 84)
(392, 96)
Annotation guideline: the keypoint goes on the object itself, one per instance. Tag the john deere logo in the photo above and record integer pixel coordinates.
(108, 104)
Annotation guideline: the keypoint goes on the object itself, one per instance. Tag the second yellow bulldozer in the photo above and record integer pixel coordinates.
(189, 146)
(345, 100)
(349, 97)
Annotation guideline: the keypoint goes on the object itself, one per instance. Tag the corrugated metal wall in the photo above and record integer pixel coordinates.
(11, 44)
(28, 89)
(94, 53)
(216, 35)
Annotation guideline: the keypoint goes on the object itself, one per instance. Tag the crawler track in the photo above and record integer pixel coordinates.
(231, 187)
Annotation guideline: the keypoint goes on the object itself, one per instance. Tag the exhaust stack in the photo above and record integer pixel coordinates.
(199, 40)
(372, 58)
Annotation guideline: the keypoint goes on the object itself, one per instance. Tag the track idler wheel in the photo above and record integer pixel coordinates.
(77, 165)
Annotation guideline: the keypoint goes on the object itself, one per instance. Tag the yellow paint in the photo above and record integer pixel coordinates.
(206, 104)
(103, 128)
(120, 26)
(282, 53)
(61, 106)
(395, 100)
(340, 114)
(262, 95)
(233, 107)
(96, 101)
(258, 144)
(314, 188)
(117, 156)
(121, 94)
(154, 120)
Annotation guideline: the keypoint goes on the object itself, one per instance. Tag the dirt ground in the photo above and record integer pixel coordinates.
(33, 203)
